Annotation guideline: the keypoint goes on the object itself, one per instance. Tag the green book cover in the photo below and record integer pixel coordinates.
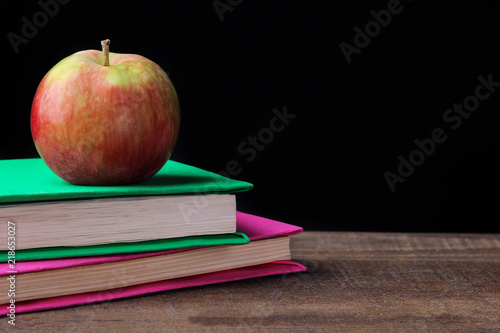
(31, 180)
(124, 248)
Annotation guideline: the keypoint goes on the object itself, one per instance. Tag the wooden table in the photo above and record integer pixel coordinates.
(357, 282)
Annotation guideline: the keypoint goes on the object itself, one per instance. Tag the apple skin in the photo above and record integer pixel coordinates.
(105, 125)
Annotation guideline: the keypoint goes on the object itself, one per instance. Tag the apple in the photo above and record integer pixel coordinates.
(101, 118)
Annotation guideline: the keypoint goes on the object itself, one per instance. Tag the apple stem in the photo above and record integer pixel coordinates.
(105, 51)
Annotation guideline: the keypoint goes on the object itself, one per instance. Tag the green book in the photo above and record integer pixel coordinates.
(32, 180)
(236, 238)
(179, 201)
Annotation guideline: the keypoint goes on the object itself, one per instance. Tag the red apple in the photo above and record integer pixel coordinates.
(101, 118)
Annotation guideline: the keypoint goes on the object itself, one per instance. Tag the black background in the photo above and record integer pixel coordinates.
(325, 170)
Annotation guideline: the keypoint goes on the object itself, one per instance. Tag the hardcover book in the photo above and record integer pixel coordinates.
(180, 200)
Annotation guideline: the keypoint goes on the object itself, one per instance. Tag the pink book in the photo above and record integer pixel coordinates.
(253, 226)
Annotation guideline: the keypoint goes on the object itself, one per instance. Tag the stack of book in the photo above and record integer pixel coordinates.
(63, 245)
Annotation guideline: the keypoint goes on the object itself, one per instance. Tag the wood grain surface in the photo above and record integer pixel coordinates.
(356, 282)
